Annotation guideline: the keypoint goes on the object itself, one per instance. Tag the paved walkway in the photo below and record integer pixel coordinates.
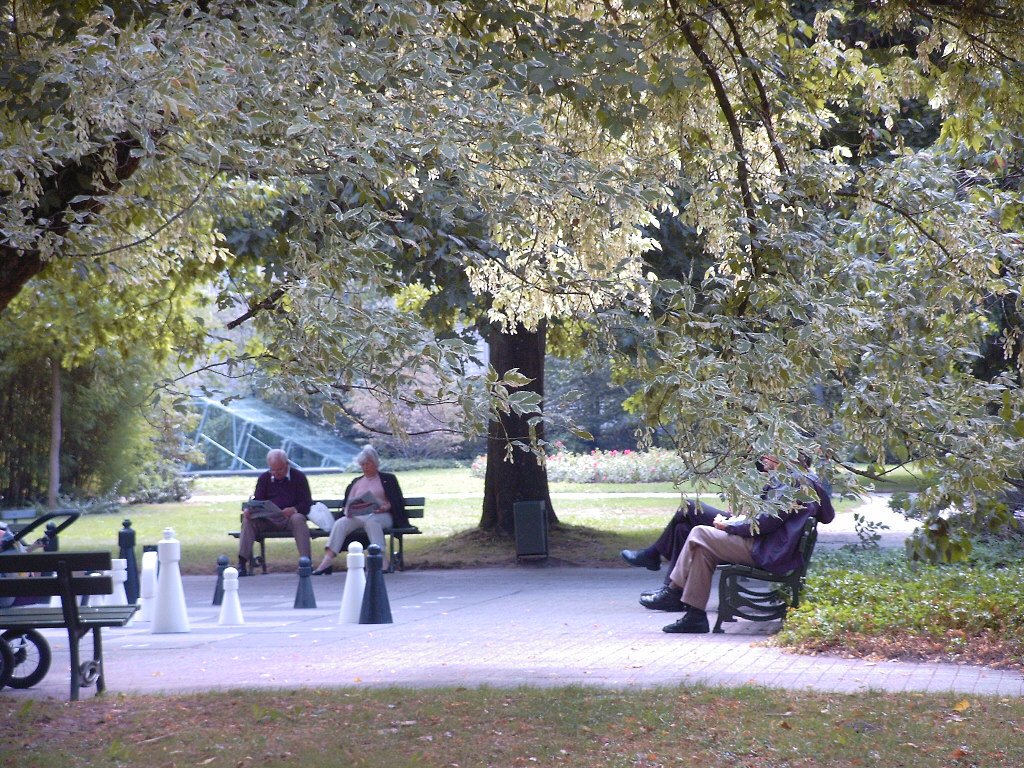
(532, 625)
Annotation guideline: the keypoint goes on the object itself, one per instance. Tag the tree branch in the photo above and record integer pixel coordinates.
(79, 179)
(729, 113)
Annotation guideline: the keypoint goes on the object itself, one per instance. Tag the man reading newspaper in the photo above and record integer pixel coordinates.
(281, 502)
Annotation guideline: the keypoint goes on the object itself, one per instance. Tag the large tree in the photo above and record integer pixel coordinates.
(854, 258)
(853, 173)
(126, 127)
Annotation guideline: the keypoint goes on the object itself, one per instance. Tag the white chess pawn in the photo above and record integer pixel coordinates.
(169, 611)
(100, 600)
(147, 588)
(119, 575)
(231, 606)
(355, 583)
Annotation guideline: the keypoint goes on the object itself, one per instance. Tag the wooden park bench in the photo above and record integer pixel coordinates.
(746, 592)
(414, 508)
(66, 575)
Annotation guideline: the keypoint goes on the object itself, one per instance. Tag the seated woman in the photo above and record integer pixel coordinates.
(373, 502)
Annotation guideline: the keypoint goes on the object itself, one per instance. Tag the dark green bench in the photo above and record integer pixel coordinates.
(64, 575)
(414, 508)
(745, 592)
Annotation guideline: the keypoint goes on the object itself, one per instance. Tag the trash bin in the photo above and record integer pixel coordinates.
(531, 529)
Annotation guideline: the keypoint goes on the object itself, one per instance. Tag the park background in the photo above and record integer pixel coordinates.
(780, 226)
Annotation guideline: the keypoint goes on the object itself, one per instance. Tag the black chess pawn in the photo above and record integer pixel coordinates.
(375, 608)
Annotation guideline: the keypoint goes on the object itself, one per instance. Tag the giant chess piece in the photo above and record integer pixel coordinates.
(304, 597)
(218, 589)
(355, 584)
(169, 612)
(231, 607)
(375, 608)
(126, 542)
(147, 588)
(119, 575)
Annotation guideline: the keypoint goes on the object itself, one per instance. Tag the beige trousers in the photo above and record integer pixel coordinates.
(296, 525)
(706, 547)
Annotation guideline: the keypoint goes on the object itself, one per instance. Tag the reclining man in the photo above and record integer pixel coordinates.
(769, 542)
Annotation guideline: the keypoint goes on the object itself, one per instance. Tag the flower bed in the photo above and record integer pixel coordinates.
(653, 466)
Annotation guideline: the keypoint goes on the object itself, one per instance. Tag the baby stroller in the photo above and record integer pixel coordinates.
(24, 653)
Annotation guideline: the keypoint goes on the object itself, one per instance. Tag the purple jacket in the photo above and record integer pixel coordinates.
(775, 546)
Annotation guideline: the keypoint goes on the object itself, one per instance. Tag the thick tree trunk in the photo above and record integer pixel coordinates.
(522, 479)
(56, 395)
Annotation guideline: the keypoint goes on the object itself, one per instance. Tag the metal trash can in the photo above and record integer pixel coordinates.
(531, 529)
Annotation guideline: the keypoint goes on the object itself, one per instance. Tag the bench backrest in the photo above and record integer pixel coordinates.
(808, 539)
(413, 506)
(63, 564)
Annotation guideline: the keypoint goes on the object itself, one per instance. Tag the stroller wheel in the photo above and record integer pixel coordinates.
(31, 657)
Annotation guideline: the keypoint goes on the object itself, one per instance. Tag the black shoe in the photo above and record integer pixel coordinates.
(242, 570)
(641, 558)
(325, 572)
(693, 622)
(649, 593)
(664, 599)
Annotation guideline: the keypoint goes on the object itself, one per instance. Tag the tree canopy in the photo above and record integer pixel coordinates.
(850, 169)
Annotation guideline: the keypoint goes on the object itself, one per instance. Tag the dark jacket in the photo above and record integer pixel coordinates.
(778, 536)
(291, 491)
(393, 492)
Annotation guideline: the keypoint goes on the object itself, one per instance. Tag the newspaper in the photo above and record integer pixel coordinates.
(366, 504)
(259, 509)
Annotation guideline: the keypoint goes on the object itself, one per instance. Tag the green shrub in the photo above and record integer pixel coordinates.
(884, 595)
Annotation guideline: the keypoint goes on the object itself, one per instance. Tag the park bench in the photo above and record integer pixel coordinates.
(67, 575)
(414, 508)
(746, 592)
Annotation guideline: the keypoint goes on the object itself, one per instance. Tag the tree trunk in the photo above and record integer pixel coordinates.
(55, 433)
(522, 479)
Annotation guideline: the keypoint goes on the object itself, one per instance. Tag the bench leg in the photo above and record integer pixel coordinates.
(391, 553)
(263, 555)
(97, 655)
(73, 638)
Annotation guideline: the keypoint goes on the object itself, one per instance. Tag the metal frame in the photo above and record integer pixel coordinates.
(291, 434)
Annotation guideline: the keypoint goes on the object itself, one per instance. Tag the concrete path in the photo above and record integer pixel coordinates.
(535, 624)
(532, 625)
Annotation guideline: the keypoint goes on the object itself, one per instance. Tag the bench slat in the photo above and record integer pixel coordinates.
(48, 586)
(45, 562)
(44, 617)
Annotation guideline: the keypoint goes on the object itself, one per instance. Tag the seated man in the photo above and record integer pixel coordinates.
(288, 488)
(772, 548)
(670, 543)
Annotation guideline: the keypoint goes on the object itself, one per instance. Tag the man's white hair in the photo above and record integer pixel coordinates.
(369, 453)
(277, 453)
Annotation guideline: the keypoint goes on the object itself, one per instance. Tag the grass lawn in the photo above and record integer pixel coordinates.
(572, 726)
(597, 521)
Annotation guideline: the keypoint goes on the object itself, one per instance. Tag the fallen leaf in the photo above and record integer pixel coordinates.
(962, 706)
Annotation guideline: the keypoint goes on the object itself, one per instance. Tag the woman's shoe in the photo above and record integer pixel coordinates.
(324, 571)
